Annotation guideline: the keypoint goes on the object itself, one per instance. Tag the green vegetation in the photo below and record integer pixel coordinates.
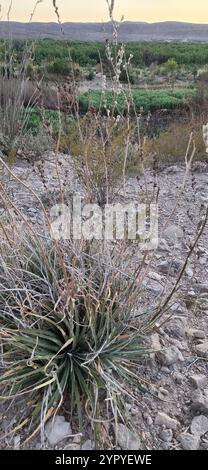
(144, 54)
(59, 67)
(148, 100)
(47, 117)
(55, 53)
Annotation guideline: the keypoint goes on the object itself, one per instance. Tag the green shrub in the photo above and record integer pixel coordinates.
(90, 53)
(60, 67)
(170, 66)
(48, 117)
(127, 78)
(90, 75)
(148, 100)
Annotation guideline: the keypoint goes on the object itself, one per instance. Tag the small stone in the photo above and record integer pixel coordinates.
(199, 425)
(17, 442)
(165, 369)
(155, 343)
(72, 447)
(127, 440)
(154, 276)
(38, 446)
(200, 288)
(189, 442)
(166, 435)
(162, 393)
(77, 439)
(163, 245)
(199, 380)
(134, 411)
(169, 356)
(88, 445)
(200, 401)
(164, 420)
(171, 268)
(178, 377)
(165, 445)
(205, 445)
(181, 345)
(202, 349)
(154, 288)
(176, 327)
(32, 210)
(179, 308)
(148, 419)
(198, 334)
(57, 429)
(189, 271)
(172, 169)
(173, 233)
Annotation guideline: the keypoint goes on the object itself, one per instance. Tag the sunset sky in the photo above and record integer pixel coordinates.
(96, 10)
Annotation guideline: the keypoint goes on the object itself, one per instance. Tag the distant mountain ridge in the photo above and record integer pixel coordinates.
(129, 31)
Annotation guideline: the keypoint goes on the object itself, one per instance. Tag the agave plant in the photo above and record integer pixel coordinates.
(66, 338)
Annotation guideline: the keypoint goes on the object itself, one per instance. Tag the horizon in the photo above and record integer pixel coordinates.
(107, 21)
(96, 11)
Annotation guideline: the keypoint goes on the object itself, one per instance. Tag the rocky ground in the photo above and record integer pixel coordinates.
(175, 415)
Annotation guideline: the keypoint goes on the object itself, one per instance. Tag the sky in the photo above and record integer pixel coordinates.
(96, 10)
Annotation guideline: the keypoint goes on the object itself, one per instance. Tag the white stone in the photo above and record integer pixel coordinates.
(162, 419)
(200, 401)
(199, 425)
(87, 445)
(169, 356)
(166, 435)
(199, 380)
(154, 276)
(57, 429)
(127, 440)
(202, 349)
(173, 233)
(72, 447)
(177, 327)
(189, 442)
(155, 342)
(198, 334)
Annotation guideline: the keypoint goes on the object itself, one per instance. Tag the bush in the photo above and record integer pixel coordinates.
(90, 75)
(127, 78)
(170, 66)
(171, 144)
(102, 164)
(148, 100)
(39, 117)
(60, 67)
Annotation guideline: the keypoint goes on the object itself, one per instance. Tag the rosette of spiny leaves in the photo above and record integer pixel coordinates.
(66, 337)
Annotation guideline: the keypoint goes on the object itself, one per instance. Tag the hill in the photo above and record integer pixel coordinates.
(129, 31)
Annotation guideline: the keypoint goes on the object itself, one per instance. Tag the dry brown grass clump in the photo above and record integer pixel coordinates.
(171, 144)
